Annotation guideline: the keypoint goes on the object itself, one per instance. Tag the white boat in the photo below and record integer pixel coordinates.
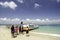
(31, 26)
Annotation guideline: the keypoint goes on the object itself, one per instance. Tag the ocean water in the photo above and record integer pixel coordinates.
(45, 29)
(48, 29)
(2, 26)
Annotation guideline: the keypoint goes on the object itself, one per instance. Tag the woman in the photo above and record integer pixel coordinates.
(12, 30)
(16, 30)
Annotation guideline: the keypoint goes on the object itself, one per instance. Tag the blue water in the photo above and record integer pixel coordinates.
(45, 29)
(48, 29)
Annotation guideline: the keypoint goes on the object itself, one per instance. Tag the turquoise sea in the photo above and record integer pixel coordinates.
(48, 29)
(45, 29)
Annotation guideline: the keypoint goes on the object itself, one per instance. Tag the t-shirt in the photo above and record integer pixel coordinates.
(15, 29)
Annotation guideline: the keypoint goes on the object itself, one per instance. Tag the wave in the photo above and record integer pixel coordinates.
(56, 35)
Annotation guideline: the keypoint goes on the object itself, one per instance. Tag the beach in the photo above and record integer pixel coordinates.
(5, 34)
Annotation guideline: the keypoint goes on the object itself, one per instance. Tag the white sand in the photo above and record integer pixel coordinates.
(5, 34)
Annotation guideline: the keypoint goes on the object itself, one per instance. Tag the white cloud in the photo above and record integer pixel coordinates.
(47, 19)
(44, 21)
(21, 1)
(9, 20)
(36, 5)
(27, 19)
(38, 20)
(10, 4)
(3, 19)
(15, 19)
(58, 0)
(34, 21)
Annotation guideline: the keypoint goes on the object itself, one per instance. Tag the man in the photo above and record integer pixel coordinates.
(21, 28)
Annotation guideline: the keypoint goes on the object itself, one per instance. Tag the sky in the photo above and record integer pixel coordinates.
(32, 9)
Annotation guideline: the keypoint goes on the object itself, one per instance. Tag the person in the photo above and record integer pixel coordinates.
(16, 30)
(27, 31)
(21, 28)
(12, 30)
